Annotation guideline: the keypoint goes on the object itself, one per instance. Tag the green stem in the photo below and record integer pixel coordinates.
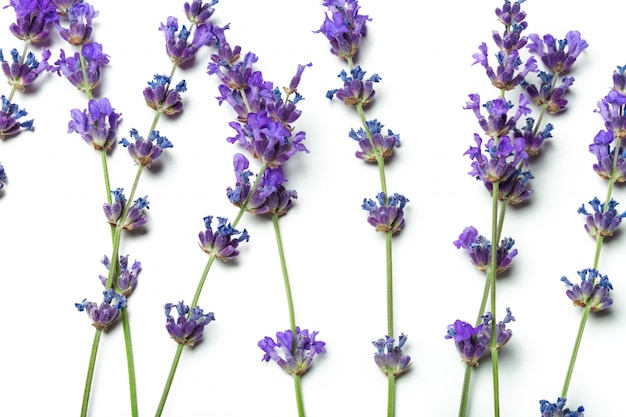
(90, 369)
(572, 362)
(388, 239)
(283, 266)
(391, 394)
(465, 392)
(492, 278)
(299, 401)
(130, 364)
(83, 68)
(170, 379)
(205, 273)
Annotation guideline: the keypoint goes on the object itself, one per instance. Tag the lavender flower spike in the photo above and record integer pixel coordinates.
(388, 214)
(135, 217)
(593, 291)
(557, 409)
(223, 242)
(160, 97)
(97, 125)
(186, 330)
(32, 18)
(20, 74)
(9, 115)
(145, 152)
(478, 248)
(126, 281)
(553, 52)
(344, 28)
(297, 357)
(602, 222)
(389, 357)
(104, 314)
(470, 342)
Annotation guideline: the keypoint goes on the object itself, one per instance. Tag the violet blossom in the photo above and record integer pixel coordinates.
(97, 124)
(105, 313)
(32, 18)
(548, 409)
(70, 67)
(389, 358)
(10, 114)
(593, 290)
(160, 97)
(387, 213)
(134, 216)
(478, 248)
(19, 74)
(344, 28)
(297, 355)
(604, 220)
(223, 242)
(81, 17)
(126, 279)
(376, 145)
(145, 151)
(188, 328)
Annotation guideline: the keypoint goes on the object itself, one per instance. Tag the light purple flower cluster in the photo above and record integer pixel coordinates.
(269, 197)
(264, 128)
(10, 114)
(297, 355)
(558, 56)
(478, 248)
(21, 73)
(188, 328)
(32, 18)
(472, 342)
(80, 27)
(145, 151)
(104, 314)
(386, 215)
(558, 409)
(607, 144)
(603, 221)
(356, 90)
(224, 241)
(177, 44)
(593, 290)
(70, 66)
(344, 28)
(375, 144)
(161, 98)
(126, 279)
(389, 358)
(134, 217)
(97, 124)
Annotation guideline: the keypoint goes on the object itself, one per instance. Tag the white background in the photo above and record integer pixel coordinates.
(54, 233)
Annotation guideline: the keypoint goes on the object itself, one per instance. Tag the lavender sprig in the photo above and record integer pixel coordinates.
(500, 161)
(592, 293)
(344, 27)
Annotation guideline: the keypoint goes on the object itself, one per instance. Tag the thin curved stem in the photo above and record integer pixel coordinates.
(170, 379)
(283, 267)
(90, 369)
(572, 362)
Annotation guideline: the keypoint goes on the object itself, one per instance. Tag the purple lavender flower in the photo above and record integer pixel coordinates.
(592, 292)
(549, 95)
(611, 108)
(177, 44)
(500, 161)
(497, 123)
(224, 241)
(189, 326)
(3, 177)
(97, 124)
(389, 357)
(134, 218)
(32, 18)
(619, 79)
(478, 248)
(104, 314)
(270, 196)
(20, 74)
(198, 12)
(70, 67)
(507, 74)
(603, 147)
(557, 409)
(10, 113)
(513, 18)
(356, 90)
(161, 98)
(296, 357)
(81, 17)
(344, 28)
(533, 141)
(388, 214)
(552, 51)
(375, 144)
(126, 281)
(602, 222)
(267, 139)
(145, 151)
(472, 342)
